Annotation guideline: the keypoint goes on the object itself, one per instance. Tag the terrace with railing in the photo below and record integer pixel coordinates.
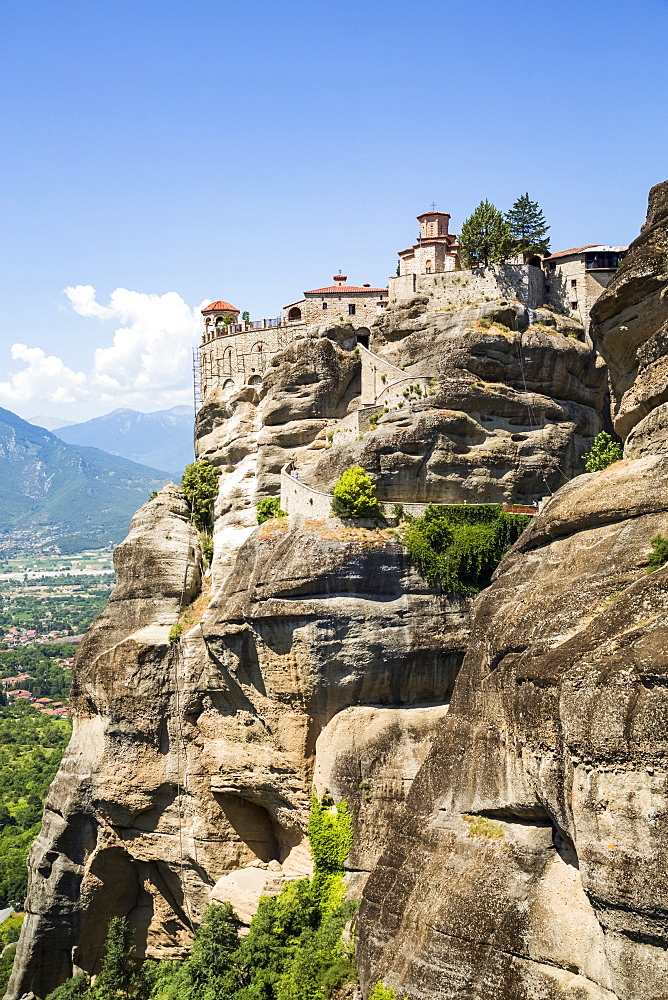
(222, 329)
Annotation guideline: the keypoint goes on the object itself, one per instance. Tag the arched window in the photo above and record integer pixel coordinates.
(428, 267)
(228, 387)
(295, 313)
(259, 357)
(255, 380)
(227, 361)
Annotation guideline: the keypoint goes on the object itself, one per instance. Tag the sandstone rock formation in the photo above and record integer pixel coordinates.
(316, 653)
(630, 326)
(189, 772)
(511, 408)
(531, 858)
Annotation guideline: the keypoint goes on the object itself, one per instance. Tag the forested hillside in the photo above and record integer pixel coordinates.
(44, 481)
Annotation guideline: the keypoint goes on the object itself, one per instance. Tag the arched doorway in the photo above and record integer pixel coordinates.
(255, 380)
(295, 314)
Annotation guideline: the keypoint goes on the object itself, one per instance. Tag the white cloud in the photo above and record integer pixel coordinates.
(44, 377)
(147, 364)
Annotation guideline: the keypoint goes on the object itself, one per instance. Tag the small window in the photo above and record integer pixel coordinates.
(574, 305)
(351, 308)
(574, 283)
(324, 305)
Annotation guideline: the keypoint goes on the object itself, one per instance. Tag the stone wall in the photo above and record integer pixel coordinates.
(376, 374)
(572, 289)
(303, 501)
(456, 289)
(434, 257)
(367, 307)
(236, 359)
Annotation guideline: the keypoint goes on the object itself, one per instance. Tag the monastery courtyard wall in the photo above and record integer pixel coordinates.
(456, 289)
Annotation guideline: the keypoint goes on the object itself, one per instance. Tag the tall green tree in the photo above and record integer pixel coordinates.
(200, 485)
(528, 227)
(119, 971)
(485, 236)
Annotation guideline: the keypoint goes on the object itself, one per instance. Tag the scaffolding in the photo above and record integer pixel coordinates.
(197, 381)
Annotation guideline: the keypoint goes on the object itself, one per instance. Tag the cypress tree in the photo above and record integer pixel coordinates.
(118, 971)
(485, 236)
(527, 226)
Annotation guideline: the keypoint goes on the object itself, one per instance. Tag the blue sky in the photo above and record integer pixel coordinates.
(166, 153)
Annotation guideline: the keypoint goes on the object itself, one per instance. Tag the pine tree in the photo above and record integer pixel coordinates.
(118, 971)
(527, 226)
(485, 236)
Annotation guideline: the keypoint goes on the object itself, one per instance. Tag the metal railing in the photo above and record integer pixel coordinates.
(215, 332)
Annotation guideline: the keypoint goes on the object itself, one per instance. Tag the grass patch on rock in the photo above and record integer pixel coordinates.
(480, 826)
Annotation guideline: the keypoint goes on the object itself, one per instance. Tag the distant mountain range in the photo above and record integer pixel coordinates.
(161, 440)
(50, 423)
(46, 482)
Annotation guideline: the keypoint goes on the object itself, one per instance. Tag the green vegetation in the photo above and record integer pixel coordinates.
(659, 555)
(10, 929)
(481, 826)
(175, 632)
(485, 236)
(293, 951)
(58, 612)
(206, 543)
(31, 747)
(355, 495)
(268, 508)
(604, 452)
(380, 992)
(47, 679)
(527, 226)
(200, 485)
(460, 546)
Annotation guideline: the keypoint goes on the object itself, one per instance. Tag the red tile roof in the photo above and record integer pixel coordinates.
(220, 305)
(589, 246)
(345, 288)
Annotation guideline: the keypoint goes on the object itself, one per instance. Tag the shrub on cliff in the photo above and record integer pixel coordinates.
(268, 508)
(381, 992)
(355, 495)
(200, 485)
(604, 452)
(459, 545)
(659, 555)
